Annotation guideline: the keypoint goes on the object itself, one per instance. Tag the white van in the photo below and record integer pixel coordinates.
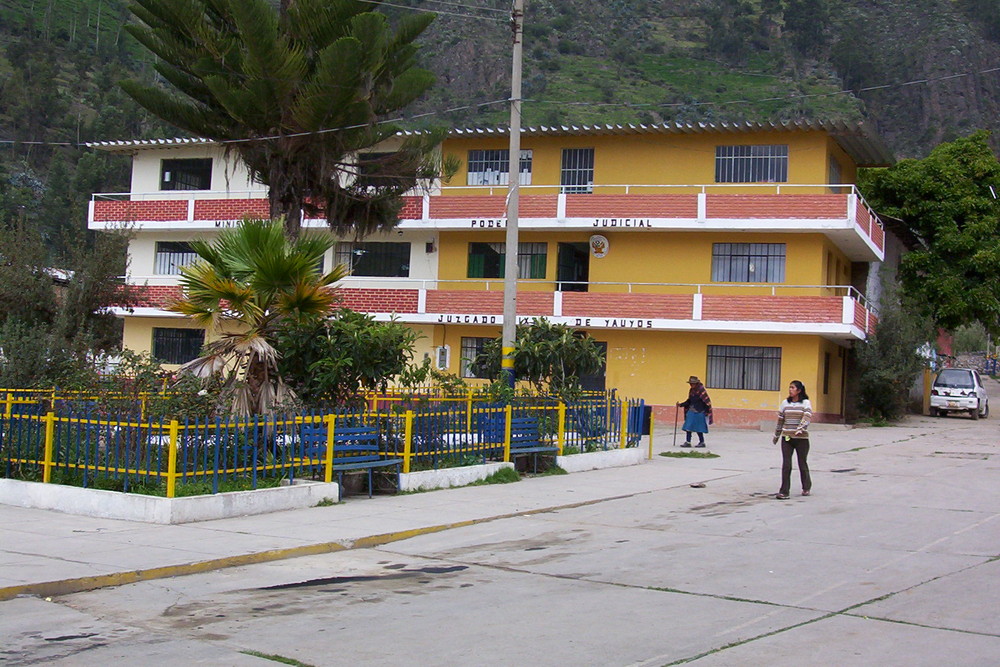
(959, 390)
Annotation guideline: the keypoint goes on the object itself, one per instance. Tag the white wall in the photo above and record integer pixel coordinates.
(226, 176)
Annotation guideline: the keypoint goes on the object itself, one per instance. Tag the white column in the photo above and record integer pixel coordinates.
(557, 303)
(561, 206)
(848, 312)
(696, 306)
(702, 207)
(422, 300)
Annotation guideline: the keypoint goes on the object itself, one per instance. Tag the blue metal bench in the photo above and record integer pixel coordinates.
(525, 436)
(354, 448)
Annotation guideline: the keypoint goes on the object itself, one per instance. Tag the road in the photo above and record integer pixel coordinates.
(892, 560)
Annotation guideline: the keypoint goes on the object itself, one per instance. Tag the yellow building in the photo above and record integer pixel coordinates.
(738, 253)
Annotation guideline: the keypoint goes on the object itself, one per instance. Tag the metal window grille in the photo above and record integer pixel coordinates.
(177, 346)
(171, 256)
(471, 349)
(739, 367)
(751, 164)
(376, 259)
(492, 167)
(577, 170)
(748, 262)
(186, 174)
(486, 260)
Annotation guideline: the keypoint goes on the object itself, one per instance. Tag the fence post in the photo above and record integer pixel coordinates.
(175, 428)
(561, 426)
(624, 426)
(331, 423)
(9, 408)
(652, 422)
(407, 440)
(50, 428)
(468, 412)
(508, 414)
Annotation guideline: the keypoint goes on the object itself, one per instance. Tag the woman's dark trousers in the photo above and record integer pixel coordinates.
(801, 448)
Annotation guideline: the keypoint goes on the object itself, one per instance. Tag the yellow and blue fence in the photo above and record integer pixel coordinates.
(130, 452)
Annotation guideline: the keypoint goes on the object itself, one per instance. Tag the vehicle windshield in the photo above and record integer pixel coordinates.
(954, 378)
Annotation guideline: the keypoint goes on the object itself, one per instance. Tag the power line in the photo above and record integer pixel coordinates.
(779, 98)
(636, 105)
(443, 12)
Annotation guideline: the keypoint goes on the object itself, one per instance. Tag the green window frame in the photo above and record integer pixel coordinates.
(486, 260)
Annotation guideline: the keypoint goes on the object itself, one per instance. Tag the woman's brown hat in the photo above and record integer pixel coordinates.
(694, 380)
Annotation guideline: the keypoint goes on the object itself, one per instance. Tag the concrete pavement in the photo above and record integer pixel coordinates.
(903, 524)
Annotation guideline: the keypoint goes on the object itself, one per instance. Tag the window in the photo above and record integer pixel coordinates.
(471, 349)
(577, 170)
(493, 167)
(751, 164)
(486, 260)
(171, 256)
(177, 346)
(835, 175)
(187, 174)
(737, 367)
(375, 259)
(748, 262)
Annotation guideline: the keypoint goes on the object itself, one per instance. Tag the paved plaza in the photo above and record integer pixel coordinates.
(893, 560)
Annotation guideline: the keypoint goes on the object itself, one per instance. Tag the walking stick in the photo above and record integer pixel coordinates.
(676, 411)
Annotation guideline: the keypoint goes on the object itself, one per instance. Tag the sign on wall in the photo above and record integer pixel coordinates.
(599, 246)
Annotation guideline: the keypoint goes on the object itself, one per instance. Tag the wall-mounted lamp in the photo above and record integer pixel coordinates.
(429, 247)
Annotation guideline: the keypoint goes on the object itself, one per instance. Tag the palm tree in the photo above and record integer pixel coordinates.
(249, 282)
(300, 92)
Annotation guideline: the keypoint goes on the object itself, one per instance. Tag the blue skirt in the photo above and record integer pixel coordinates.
(696, 422)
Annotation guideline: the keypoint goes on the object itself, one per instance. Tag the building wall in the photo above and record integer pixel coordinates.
(679, 159)
(658, 257)
(655, 366)
(423, 264)
(226, 175)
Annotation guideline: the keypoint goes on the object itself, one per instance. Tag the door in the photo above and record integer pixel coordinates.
(573, 268)
(596, 382)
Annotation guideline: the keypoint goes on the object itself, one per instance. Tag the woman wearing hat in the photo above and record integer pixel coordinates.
(697, 412)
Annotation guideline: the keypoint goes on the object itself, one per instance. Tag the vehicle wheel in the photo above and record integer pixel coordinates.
(934, 412)
(986, 411)
(974, 412)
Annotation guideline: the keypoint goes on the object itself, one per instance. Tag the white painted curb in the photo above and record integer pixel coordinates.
(154, 509)
(443, 478)
(612, 458)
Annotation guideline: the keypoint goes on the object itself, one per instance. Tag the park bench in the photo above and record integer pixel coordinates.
(354, 448)
(525, 436)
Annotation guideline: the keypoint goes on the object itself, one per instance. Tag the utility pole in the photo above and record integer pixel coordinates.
(513, 193)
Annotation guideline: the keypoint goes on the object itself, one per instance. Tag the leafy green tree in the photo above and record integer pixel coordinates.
(946, 199)
(249, 283)
(889, 361)
(552, 357)
(334, 360)
(300, 89)
(807, 21)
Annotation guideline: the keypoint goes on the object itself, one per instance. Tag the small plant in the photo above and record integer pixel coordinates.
(690, 455)
(502, 476)
(552, 470)
(326, 502)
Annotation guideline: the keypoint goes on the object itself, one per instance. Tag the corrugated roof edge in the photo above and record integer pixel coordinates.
(859, 140)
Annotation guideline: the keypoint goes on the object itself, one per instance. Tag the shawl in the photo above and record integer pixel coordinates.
(698, 390)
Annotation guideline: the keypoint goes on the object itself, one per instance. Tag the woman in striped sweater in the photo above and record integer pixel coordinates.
(794, 416)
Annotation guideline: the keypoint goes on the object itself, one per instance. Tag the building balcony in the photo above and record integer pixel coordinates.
(838, 211)
(836, 312)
